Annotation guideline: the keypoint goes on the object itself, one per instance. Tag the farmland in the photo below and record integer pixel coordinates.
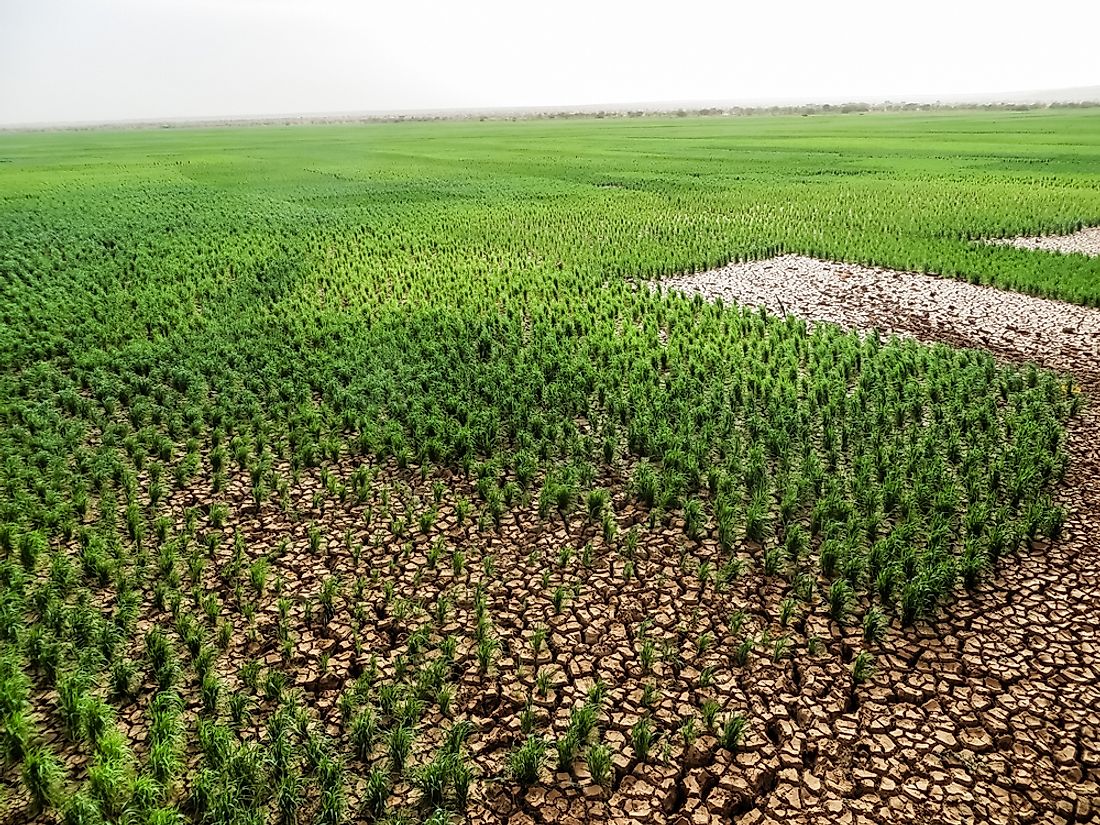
(361, 473)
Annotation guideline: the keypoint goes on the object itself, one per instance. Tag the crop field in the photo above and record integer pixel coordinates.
(356, 473)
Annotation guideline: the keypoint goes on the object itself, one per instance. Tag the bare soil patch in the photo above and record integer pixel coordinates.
(1051, 333)
(1084, 241)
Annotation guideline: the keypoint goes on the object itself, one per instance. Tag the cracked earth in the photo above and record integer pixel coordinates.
(992, 712)
(1084, 241)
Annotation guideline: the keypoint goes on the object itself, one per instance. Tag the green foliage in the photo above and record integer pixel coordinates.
(44, 778)
(642, 736)
(191, 317)
(363, 732)
(399, 742)
(709, 710)
(840, 599)
(376, 793)
(875, 624)
(81, 809)
(863, 666)
(598, 759)
(733, 730)
(525, 761)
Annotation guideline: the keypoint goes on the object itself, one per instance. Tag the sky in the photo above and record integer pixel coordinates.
(68, 61)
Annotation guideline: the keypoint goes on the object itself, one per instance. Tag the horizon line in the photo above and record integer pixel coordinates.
(793, 105)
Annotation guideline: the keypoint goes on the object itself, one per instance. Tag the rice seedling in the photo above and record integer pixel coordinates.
(863, 667)
(250, 675)
(448, 351)
(72, 702)
(240, 708)
(147, 794)
(743, 650)
(643, 736)
(399, 742)
(525, 761)
(706, 676)
(647, 655)
(289, 797)
(82, 809)
(565, 748)
(780, 648)
(375, 794)
(333, 800)
(558, 598)
(43, 777)
(709, 711)
(444, 697)
(487, 650)
(542, 681)
(840, 599)
(598, 759)
(97, 718)
(110, 781)
(875, 624)
(432, 782)
(538, 639)
(596, 501)
(364, 731)
(733, 729)
(527, 717)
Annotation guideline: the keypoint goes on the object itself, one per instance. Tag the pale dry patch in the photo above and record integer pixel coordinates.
(929, 308)
(1084, 242)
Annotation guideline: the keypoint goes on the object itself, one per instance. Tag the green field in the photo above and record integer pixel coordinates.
(399, 357)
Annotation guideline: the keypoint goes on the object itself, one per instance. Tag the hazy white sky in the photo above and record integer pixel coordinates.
(94, 60)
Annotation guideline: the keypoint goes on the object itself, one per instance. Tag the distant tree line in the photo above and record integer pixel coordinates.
(578, 114)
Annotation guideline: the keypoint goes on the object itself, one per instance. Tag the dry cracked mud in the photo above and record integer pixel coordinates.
(1084, 241)
(992, 712)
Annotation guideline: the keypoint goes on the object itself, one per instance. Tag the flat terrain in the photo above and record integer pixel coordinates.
(1084, 241)
(411, 472)
(998, 701)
